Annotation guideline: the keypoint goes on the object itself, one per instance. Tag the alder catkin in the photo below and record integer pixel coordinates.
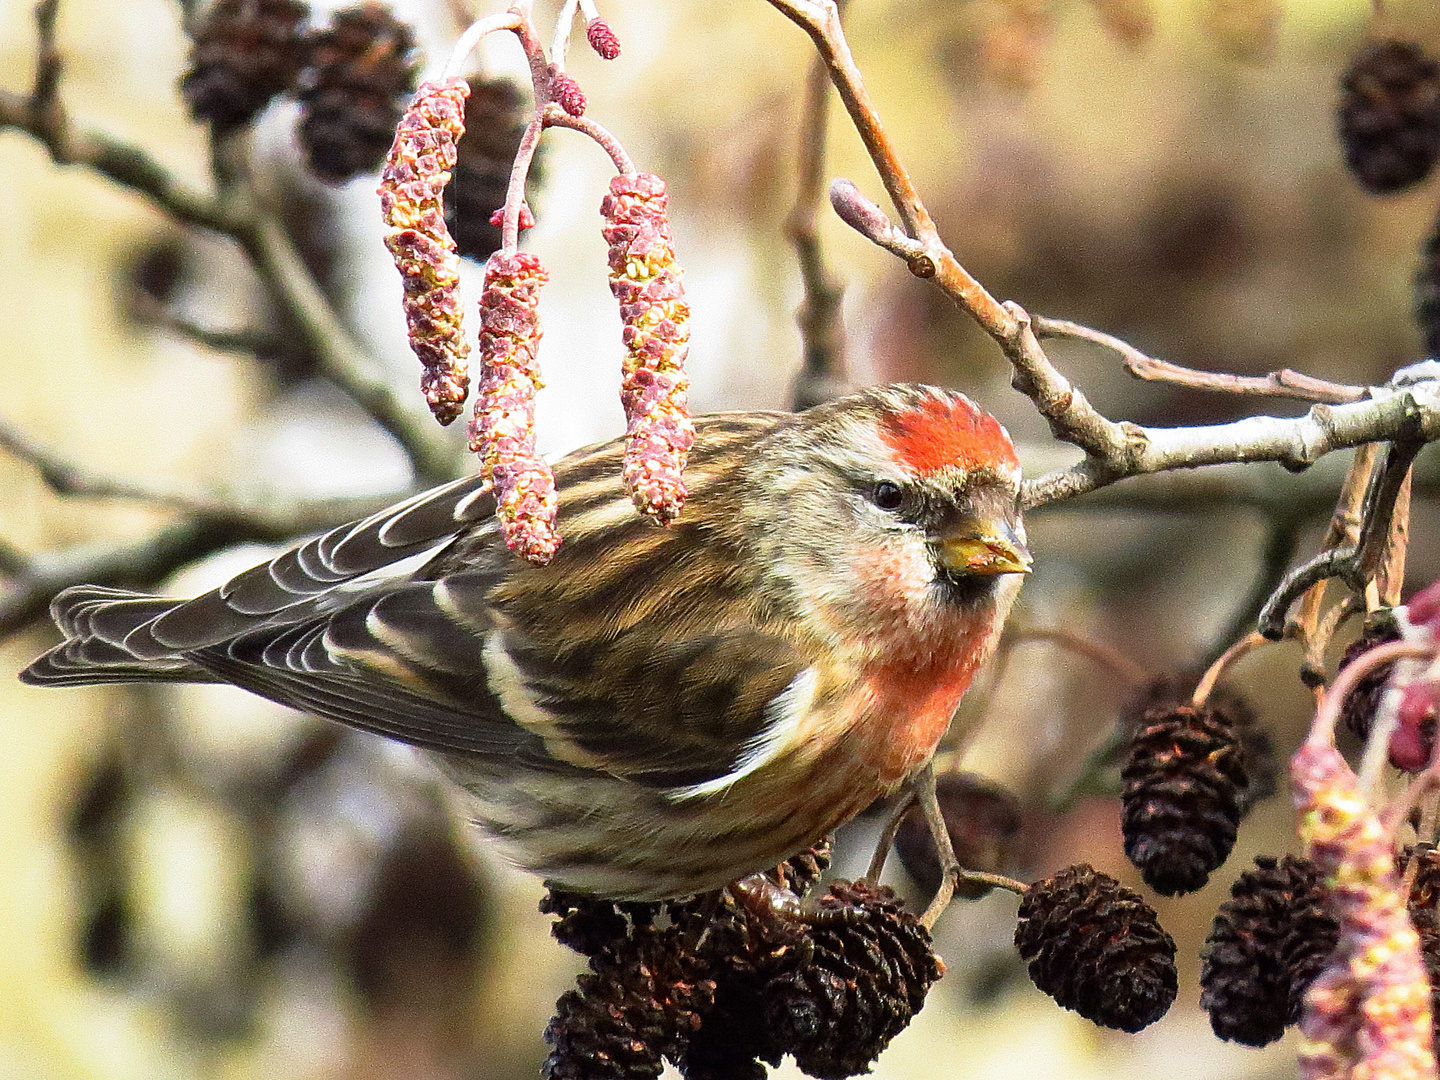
(646, 280)
(411, 189)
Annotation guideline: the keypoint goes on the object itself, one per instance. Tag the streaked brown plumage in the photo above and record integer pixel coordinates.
(660, 710)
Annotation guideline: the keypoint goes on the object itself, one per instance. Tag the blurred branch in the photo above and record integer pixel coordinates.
(251, 341)
(238, 214)
(35, 579)
(272, 517)
(1281, 543)
(822, 373)
(1282, 383)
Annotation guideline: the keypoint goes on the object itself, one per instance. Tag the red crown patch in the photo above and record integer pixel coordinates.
(948, 432)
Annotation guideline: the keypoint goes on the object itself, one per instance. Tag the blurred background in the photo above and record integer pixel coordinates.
(195, 883)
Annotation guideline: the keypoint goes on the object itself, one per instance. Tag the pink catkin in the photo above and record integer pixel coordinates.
(1367, 1015)
(602, 39)
(411, 185)
(646, 280)
(503, 430)
(566, 92)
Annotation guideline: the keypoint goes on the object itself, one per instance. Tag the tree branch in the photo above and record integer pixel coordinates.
(1282, 383)
(822, 372)
(271, 517)
(1296, 443)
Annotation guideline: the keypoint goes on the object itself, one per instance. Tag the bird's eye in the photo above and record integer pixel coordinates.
(887, 496)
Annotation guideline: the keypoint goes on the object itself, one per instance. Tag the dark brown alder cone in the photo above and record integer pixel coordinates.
(871, 969)
(749, 945)
(1359, 709)
(1183, 781)
(495, 119)
(1267, 944)
(728, 980)
(1096, 947)
(245, 52)
(363, 67)
(585, 924)
(983, 820)
(1427, 292)
(1262, 770)
(645, 996)
(1390, 115)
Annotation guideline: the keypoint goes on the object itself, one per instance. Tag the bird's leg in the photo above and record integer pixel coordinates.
(951, 872)
(923, 789)
(887, 837)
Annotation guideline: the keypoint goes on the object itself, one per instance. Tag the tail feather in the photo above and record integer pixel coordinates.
(96, 622)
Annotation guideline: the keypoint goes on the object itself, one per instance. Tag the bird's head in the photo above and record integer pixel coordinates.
(896, 507)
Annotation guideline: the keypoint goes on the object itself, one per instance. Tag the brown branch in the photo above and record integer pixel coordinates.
(822, 334)
(1282, 383)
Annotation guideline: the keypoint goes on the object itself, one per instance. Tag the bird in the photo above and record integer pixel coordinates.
(662, 710)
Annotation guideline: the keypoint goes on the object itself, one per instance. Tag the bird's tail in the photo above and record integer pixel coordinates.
(96, 622)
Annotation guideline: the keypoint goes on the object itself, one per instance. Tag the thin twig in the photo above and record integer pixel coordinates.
(1408, 408)
(1343, 530)
(557, 117)
(1392, 573)
(1106, 655)
(1282, 383)
(952, 873)
(1322, 728)
(1380, 507)
(822, 334)
(1216, 671)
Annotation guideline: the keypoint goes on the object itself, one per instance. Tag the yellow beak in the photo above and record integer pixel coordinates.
(984, 547)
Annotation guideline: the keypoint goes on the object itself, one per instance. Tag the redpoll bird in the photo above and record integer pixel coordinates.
(661, 710)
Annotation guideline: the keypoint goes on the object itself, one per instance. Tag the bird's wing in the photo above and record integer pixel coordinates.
(317, 575)
(425, 662)
(633, 652)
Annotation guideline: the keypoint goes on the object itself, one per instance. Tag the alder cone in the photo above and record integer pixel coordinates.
(245, 52)
(363, 68)
(645, 995)
(1390, 116)
(1183, 783)
(495, 120)
(585, 924)
(870, 971)
(983, 820)
(1097, 948)
(1166, 692)
(1358, 711)
(1267, 944)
